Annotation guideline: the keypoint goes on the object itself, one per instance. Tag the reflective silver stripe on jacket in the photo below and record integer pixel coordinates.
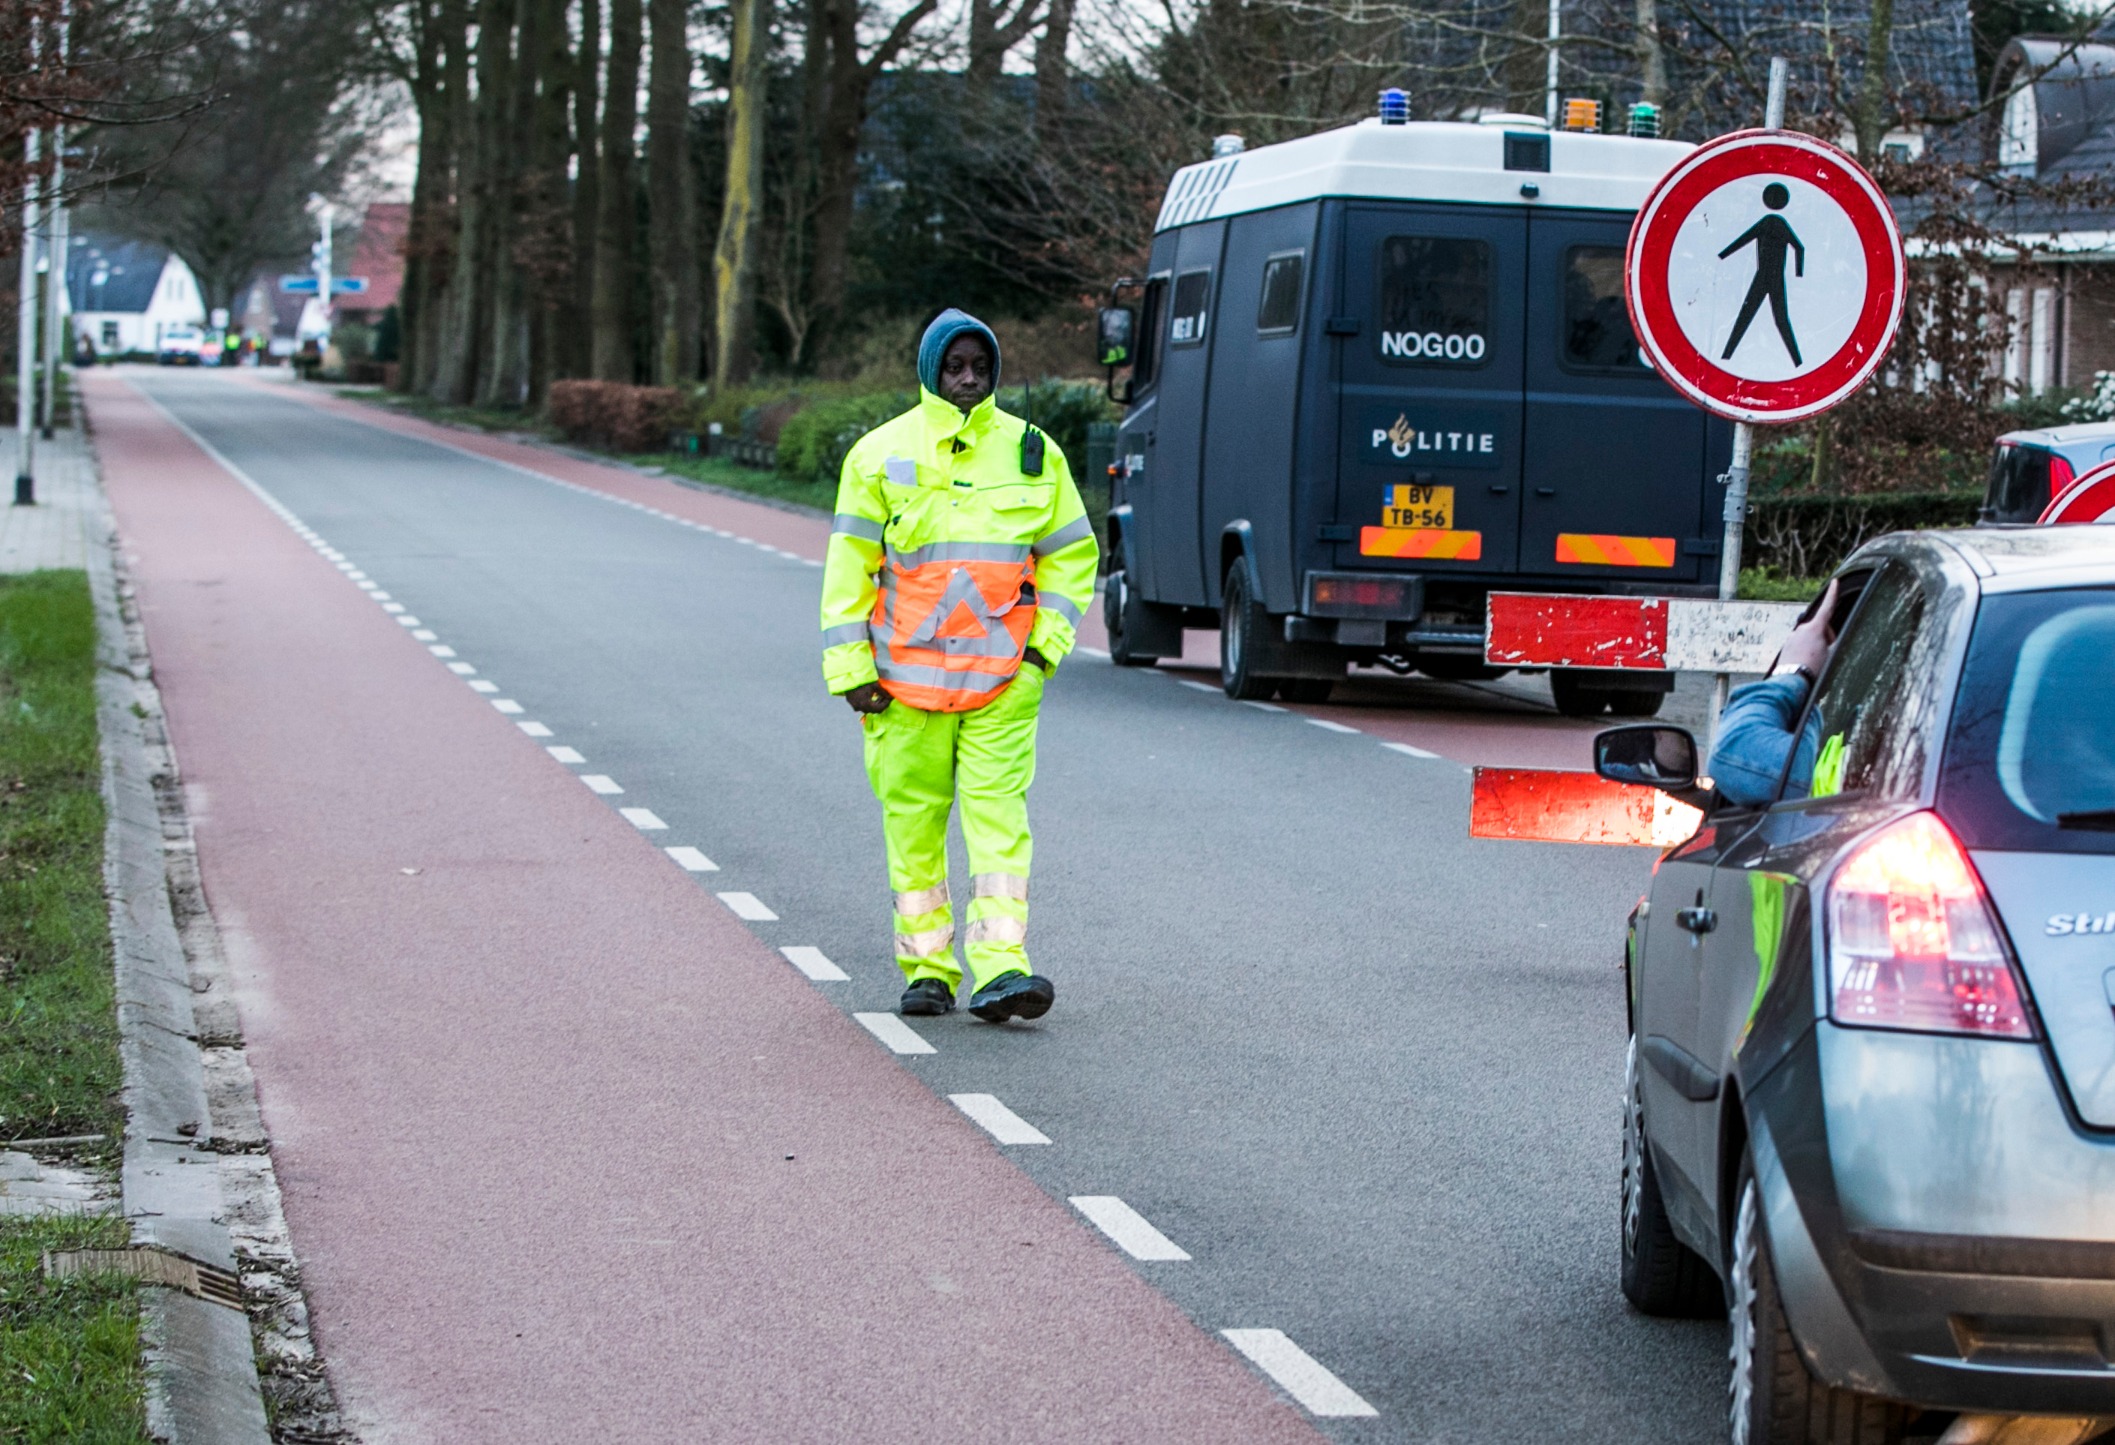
(921, 902)
(999, 885)
(1062, 606)
(1076, 530)
(997, 930)
(933, 943)
(846, 524)
(958, 552)
(940, 677)
(844, 632)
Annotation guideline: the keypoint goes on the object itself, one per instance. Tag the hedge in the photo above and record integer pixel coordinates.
(812, 443)
(1806, 536)
(614, 415)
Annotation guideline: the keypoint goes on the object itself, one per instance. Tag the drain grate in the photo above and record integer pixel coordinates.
(149, 1265)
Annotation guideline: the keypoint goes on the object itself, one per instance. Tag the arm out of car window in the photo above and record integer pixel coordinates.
(1755, 737)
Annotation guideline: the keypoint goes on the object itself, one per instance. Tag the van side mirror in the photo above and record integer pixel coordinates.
(1649, 755)
(1114, 328)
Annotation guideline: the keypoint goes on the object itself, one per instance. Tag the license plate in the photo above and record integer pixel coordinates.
(1420, 506)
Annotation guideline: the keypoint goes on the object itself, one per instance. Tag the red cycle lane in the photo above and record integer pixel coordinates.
(567, 1153)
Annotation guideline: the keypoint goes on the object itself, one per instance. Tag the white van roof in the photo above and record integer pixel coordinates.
(1423, 161)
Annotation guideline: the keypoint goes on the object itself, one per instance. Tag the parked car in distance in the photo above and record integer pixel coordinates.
(2030, 469)
(182, 346)
(1869, 1102)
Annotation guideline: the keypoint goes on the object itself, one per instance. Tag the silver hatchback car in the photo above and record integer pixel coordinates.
(1870, 1102)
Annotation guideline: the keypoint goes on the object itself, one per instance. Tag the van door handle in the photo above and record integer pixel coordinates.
(1696, 920)
(1545, 491)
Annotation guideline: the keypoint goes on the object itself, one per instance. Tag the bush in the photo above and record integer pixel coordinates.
(614, 415)
(1806, 536)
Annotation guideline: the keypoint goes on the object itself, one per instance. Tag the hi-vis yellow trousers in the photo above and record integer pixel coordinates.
(920, 764)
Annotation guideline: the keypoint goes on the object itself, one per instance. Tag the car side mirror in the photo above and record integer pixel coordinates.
(1114, 328)
(1649, 755)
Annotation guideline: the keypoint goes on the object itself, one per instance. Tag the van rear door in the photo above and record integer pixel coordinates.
(1428, 477)
(1616, 465)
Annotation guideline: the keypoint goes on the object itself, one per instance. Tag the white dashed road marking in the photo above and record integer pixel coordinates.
(690, 860)
(1335, 727)
(560, 751)
(643, 819)
(1407, 751)
(1200, 686)
(1130, 1229)
(1261, 706)
(601, 783)
(464, 669)
(510, 706)
(748, 907)
(893, 1031)
(1002, 1123)
(812, 962)
(439, 649)
(478, 684)
(534, 729)
(1298, 1373)
(426, 634)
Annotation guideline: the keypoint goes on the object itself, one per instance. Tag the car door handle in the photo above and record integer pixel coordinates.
(1696, 920)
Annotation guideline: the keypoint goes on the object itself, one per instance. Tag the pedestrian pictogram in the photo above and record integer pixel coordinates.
(2089, 499)
(1776, 221)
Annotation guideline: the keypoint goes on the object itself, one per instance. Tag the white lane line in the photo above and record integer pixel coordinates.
(357, 576)
(405, 619)
(561, 752)
(427, 634)
(392, 607)
(1002, 1123)
(601, 783)
(748, 907)
(1335, 727)
(1133, 1234)
(439, 649)
(382, 597)
(1407, 751)
(534, 729)
(1261, 706)
(893, 1031)
(643, 819)
(813, 962)
(1298, 1373)
(690, 860)
(478, 684)
(1200, 686)
(464, 669)
(371, 589)
(506, 705)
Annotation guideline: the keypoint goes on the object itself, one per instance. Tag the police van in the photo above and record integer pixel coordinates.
(1375, 374)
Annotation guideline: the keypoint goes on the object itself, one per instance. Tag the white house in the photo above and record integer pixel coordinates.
(125, 294)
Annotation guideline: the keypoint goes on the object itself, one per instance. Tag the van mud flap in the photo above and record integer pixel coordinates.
(1275, 657)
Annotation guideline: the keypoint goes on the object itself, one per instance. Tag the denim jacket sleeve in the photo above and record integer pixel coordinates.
(1755, 737)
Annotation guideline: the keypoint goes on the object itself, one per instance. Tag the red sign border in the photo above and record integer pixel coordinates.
(2089, 499)
(1652, 234)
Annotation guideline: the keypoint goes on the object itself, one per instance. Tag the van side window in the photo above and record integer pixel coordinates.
(1278, 313)
(1597, 330)
(1435, 296)
(1193, 297)
(1146, 365)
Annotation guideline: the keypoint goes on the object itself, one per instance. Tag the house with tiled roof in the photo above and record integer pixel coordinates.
(124, 294)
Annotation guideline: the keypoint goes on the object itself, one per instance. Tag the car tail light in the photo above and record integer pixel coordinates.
(2060, 475)
(1913, 943)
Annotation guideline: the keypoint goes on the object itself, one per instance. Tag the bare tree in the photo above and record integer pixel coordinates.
(734, 261)
(577, 356)
(672, 237)
(617, 218)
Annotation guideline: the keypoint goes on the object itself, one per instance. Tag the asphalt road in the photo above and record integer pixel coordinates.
(1362, 1069)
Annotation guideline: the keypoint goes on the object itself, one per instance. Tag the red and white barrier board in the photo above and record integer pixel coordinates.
(1665, 634)
(1540, 805)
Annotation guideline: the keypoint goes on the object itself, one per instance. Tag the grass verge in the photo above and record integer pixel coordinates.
(69, 1348)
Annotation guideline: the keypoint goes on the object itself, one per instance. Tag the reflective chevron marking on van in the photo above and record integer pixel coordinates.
(1420, 542)
(1669, 634)
(1608, 551)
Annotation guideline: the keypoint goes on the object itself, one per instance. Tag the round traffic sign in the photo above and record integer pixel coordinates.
(2089, 499)
(1765, 276)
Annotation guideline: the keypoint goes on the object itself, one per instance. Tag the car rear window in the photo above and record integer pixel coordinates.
(2030, 764)
(2019, 483)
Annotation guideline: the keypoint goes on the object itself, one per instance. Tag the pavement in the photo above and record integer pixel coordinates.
(538, 849)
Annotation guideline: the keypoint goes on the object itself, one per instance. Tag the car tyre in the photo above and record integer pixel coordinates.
(1574, 698)
(1661, 1275)
(1116, 595)
(1242, 621)
(1771, 1397)
(1306, 689)
(1635, 701)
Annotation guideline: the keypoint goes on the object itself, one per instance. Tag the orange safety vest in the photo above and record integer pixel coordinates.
(951, 621)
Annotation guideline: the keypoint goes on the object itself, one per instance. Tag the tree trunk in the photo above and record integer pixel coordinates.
(1652, 62)
(551, 297)
(672, 197)
(734, 259)
(617, 215)
(470, 299)
(503, 375)
(992, 33)
(424, 233)
(576, 355)
(1053, 77)
(436, 298)
(1870, 125)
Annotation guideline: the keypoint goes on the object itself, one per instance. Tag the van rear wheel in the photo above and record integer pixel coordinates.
(1242, 621)
(1574, 696)
(1116, 603)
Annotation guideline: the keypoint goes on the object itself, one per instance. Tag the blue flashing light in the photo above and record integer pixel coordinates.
(1395, 106)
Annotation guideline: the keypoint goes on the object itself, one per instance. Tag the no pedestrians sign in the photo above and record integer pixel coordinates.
(1765, 276)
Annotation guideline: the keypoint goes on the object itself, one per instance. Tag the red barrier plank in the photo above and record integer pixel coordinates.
(1541, 806)
(1528, 629)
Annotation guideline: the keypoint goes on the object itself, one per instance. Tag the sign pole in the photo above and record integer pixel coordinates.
(1736, 478)
(26, 335)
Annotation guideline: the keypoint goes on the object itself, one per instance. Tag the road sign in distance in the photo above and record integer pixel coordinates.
(299, 285)
(348, 284)
(2089, 499)
(1765, 276)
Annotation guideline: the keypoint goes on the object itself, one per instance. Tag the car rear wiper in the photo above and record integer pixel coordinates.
(2097, 820)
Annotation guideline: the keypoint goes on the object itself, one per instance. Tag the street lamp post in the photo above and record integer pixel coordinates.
(26, 335)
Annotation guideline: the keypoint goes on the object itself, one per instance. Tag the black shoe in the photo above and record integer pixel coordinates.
(926, 997)
(1013, 996)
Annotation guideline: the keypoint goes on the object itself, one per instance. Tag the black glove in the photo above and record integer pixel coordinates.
(1031, 655)
(868, 698)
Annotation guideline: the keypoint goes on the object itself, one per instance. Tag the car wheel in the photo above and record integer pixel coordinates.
(1306, 689)
(1635, 701)
(1661, 1275)
(1241, 623)
(1573, 697)
(1771, 1398)
(1115, 595)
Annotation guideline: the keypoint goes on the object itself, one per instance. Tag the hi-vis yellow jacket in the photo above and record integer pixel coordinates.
(942, 548)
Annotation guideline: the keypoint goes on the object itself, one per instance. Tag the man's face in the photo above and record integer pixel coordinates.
(965, 371)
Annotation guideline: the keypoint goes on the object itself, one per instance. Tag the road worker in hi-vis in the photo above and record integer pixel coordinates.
(961, 560)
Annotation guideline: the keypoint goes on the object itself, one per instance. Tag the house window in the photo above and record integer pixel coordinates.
(2019, 139)
(110, 335)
